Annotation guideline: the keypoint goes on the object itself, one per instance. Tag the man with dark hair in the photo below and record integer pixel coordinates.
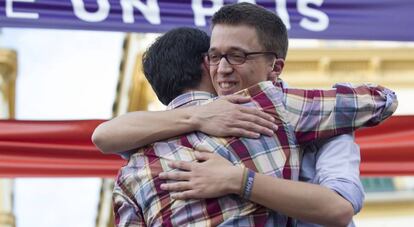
(138, 196)
(175, 49)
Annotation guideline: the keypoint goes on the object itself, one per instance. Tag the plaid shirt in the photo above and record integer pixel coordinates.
(302, 116)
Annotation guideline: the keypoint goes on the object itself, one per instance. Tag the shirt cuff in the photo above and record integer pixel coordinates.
(348, 190)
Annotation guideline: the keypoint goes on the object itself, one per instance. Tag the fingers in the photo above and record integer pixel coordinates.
(177, 186)
(254, 127)
(228, 119)
(239, 99)
(239, 132)
(176, 175)
(251, 126)
(180, 165)
(258, 113)
(202, 156)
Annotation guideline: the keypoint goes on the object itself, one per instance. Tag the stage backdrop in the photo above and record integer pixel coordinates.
(64, 148)
(319, 19)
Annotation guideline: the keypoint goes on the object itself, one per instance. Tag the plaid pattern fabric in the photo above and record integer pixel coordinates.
(302, 115)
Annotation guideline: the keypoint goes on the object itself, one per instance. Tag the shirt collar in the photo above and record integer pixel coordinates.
(189, 99)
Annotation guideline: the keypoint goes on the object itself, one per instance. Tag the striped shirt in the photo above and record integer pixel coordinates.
(301, 115)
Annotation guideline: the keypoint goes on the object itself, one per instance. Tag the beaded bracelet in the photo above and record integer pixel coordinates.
(247, 183)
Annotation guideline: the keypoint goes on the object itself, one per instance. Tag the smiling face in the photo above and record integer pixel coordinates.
(226, 78)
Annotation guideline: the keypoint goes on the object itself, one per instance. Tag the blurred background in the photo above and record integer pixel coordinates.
(48, 74)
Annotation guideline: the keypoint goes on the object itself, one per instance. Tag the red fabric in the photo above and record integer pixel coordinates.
(388, 149)
(64, 149)
(53, 149)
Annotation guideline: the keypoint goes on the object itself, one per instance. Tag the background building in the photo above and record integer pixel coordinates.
(8, 67)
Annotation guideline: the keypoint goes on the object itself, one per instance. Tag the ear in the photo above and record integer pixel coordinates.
(205, 63)
(277, 68)
(206, 84)
(204, 66)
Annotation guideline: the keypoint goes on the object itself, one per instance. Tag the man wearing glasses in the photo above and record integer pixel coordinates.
(238, 60)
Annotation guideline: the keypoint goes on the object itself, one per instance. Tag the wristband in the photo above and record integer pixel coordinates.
(243, 182)
(248, 183)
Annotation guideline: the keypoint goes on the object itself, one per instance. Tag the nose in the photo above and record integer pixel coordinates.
(224, 66)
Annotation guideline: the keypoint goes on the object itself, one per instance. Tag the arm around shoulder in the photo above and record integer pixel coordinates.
(137, 129)
(221, 118)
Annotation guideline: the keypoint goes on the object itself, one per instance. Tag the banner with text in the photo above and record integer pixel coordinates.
(318, 19)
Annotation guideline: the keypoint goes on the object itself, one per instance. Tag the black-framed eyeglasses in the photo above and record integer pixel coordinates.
(234, 58)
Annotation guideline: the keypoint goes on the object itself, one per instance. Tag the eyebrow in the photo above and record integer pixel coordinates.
(230, 49)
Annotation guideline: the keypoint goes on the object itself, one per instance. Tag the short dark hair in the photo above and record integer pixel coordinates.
(271, 31)
(173, 62)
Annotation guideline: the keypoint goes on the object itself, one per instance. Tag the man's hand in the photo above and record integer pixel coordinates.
(213, 177)
(224, 117)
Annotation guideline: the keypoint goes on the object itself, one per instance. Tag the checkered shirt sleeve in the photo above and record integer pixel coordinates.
(317, 114)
